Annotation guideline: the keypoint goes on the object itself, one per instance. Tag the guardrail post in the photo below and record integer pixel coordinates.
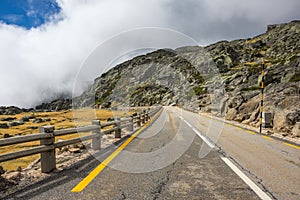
(148, 111)
(130, 127)
(146, 116)
(143, 117)
(118, 130)
(48, 160)
(139, 120)
(96, 142)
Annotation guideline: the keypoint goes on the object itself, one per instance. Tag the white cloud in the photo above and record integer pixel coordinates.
(38, 63)
(46, 59)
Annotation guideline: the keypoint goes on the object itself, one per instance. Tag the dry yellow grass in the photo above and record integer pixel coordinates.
(61, 120)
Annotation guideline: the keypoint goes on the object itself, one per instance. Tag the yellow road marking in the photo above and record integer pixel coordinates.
(229, 124)
(267, 137)
(86, 181)
(291, 145)
(239, 128)
(251, 132)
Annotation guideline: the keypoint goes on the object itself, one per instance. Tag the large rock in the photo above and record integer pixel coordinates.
(13, 110)
(296, 130)
(6, 135)
(27, 118)
(8, 119)
(38, 120)
(15, 176)
(4, 125)
(293, 117)
(15, 123)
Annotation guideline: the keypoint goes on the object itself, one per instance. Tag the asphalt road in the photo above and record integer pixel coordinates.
(169, 160)
(269, 162)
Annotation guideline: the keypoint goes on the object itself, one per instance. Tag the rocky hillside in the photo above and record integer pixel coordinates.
(222, 78)
(13, 110)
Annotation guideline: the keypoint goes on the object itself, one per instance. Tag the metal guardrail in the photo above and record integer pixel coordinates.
(48, 133)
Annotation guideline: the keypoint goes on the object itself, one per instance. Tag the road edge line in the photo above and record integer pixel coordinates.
(262, 195)
(292, 144)
(204, 138)
(95, 172)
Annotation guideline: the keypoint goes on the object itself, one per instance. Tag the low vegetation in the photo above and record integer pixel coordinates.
(61, 120)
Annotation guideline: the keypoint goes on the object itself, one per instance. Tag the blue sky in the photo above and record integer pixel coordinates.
(27, 13)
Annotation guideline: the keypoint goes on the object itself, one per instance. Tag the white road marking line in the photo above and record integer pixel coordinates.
(262, 195)
(211, 145)
(206, 140)
(188, 123)
(247, 180)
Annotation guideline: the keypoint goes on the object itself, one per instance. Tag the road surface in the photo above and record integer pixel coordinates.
(173, 159)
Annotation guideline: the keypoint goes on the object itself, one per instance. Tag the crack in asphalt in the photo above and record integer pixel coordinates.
(258, 180)
(162, 183)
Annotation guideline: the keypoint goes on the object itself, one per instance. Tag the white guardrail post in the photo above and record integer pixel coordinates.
(143, 117)
(148, 114)
(139, 120)
(96, 142)
(48, 160)
(130, 127)
(117, 126)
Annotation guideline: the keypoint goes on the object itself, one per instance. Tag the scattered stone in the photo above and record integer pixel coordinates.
(6, 135)
(38, 120)
(34, 174)
(4, 125)
(110, 119)
(284, 134)
(47, 119)
(25, 119)
(81, 146)
(63, 149)
(73, 146)
(74, 150)
(32, 116)
(32, 127)
(19, 169)
(269, 132)
(8, 119)
(16, 123)
(15, 176)
(2, 171)
(5, 184)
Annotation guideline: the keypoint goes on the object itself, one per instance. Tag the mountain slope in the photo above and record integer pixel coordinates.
(222, 78)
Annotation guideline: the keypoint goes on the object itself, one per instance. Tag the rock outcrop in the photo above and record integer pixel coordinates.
(56, 105)
(13, 110)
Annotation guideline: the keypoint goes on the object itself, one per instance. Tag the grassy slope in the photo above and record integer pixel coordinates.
(60, 120)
